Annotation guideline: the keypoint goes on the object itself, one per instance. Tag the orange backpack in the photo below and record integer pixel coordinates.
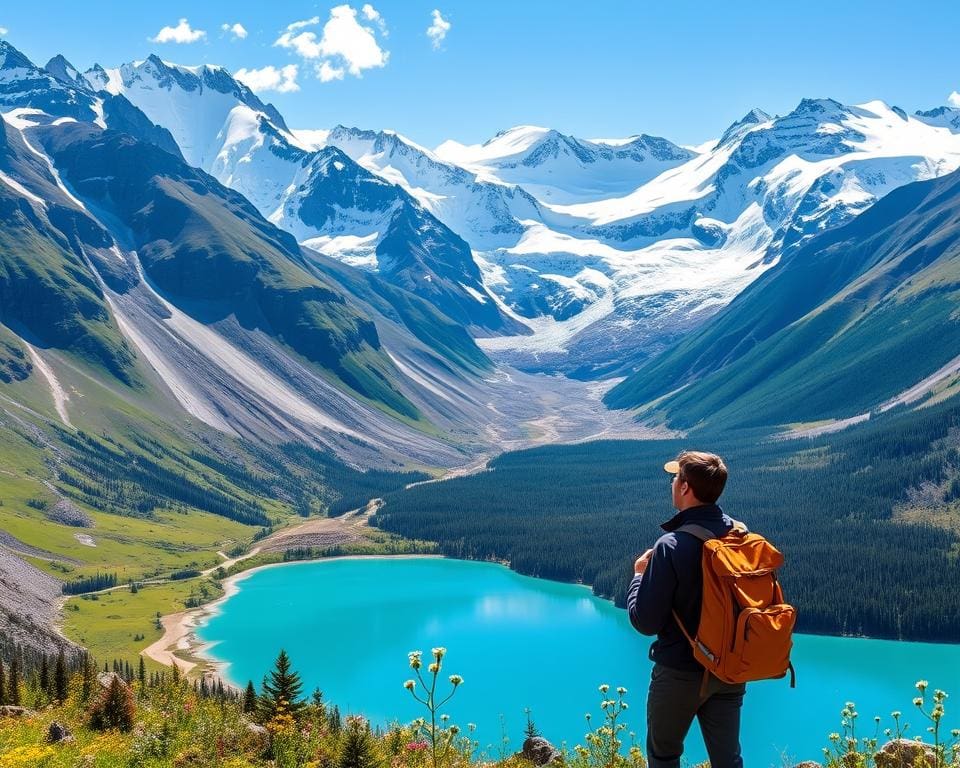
(746, 628)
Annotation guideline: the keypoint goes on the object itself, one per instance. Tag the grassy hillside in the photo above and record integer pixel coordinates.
(854, 317)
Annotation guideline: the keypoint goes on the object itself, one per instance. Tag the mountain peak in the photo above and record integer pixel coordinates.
(753, 118)
(11, 58)
(65, 72)
(819, 107)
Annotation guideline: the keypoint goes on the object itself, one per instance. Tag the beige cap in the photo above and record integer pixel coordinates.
(673, 467)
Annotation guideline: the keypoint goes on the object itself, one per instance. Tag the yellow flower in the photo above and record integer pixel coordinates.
(29, 756)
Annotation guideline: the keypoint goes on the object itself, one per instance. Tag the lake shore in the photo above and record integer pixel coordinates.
(180, 644)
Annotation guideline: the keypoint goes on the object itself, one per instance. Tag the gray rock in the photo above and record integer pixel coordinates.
(539, 751)
(905, 753)
(68, 513)
(808, 764)
(105, 678)
(58, 733)
(9, 710)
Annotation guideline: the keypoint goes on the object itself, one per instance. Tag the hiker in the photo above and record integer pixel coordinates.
(688, 679)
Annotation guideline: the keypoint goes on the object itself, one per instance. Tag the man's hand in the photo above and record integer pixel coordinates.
(642, 562)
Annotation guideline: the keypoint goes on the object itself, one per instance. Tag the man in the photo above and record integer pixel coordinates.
(669, 578)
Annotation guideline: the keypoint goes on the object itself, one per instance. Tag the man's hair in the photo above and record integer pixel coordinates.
(705, 473)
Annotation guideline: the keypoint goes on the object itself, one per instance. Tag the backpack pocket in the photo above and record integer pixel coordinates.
(762, 642)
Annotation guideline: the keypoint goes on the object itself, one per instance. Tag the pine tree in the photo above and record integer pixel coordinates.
(281, 685)
(61, 680)
(333, 720)
(357, 749)
(531, 729)
(88, 671)
(44, 674)
(250, 698)
(13, 695)
(3, 684)
(142, 674)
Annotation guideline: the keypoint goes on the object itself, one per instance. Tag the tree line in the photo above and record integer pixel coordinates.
(855, 563)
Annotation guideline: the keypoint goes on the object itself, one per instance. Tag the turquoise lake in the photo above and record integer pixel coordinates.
(519, 642)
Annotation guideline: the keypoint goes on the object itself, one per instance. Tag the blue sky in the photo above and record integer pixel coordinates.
(683, 70)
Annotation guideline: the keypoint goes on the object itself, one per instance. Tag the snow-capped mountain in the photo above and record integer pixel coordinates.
(608, 249)
(487, 214)
(562, 169)
(329, 203)
(25, 85)
(649, 265)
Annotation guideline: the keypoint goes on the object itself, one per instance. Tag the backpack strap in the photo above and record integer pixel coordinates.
(704, 534)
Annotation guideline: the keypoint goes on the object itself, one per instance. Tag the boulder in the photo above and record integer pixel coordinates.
(58, 733)
(9, 710)
(258, 737)
(905, 753)
(808, 764)
(105, 678)
(539, 751)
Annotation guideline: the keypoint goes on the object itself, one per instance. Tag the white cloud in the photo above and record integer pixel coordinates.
(182, 33)
(327, 72)
(238, 31)
(438, 30)
(954, 99)
(3, 30)
(301, 24)
(345, 45)
(282, 80)
(372, 14)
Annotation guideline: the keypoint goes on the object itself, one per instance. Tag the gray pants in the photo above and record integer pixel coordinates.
(672, 703)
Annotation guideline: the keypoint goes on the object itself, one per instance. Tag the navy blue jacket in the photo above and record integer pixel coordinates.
(674, 581)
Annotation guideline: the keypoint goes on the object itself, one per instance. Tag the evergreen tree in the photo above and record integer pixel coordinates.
(175, 674)
(281, 685)
(333, 720)
(88, 671)
(531, 730)
(13, 695)
(250, 698)
(114, 708)
(44, 680)
(357, 749)
(3, 684)
(142, 674)
(61, 680)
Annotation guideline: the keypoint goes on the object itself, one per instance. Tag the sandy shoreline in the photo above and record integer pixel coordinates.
(180, 645)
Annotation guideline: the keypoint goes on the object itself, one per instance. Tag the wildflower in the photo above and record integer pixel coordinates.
(416, 746)
(895, 714)
(414, 657)
(456, 679)
(918, 702)
(834, 737)
(621, 690)
(604, 688)
(471, 727)
(623, 705)
(454, 729)
(922, 685)
(434, 667)
(438, 653)
(409, 685)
